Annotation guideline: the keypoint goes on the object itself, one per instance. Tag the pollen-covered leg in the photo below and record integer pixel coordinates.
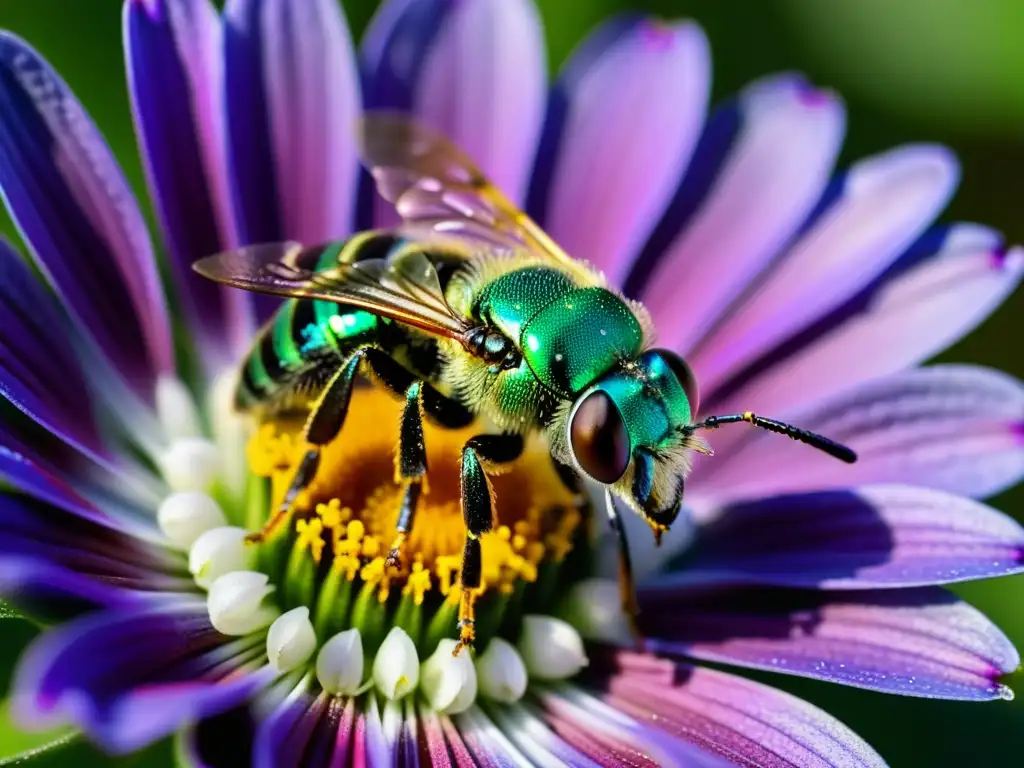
(324, 424)
(411, 468)
(420, 398)
(478, 514)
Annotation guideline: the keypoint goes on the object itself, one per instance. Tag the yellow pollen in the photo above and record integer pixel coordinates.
(355, 497)
(333, 514)
(310, 537)
(418, 583)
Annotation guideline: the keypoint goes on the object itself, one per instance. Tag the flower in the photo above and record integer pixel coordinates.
(798, 296)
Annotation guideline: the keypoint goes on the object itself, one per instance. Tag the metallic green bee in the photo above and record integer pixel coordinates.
(470, 308)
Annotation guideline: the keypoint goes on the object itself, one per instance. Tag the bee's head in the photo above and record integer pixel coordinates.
(626, 431)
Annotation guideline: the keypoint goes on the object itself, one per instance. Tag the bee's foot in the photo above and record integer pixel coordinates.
(394, 558)
(255, 538)
(467, 636)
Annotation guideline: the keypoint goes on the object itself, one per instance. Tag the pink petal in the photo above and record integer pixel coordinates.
(905, 321)
(635, 106)
(886, 203)
(743, 721)
(773, 175)
(956, 428)
(483, 84)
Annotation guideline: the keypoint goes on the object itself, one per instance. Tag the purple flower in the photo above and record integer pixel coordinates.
(791, 291)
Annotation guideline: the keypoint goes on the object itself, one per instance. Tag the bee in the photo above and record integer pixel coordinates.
(468, 309)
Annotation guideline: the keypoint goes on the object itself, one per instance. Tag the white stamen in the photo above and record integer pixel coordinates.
(396, 670)
(449, 682)
(229, 430)
(339, 665)
(190, 464)
(551, 648)
(501, 672)
(594, 607)
(185, 516)
(235, 603)
(216, 552)
(176, 409)
(291, 640)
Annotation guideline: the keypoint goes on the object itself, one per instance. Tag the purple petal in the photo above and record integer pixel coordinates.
(75, 209)
(744, 722)
(309, 731)
(49, 593)
(73, 535)
(293, 100)
(130, 678)
(394, 47)
(39, 372)
(879, 536)
(481, 78)
(886, 203)
(119, 489)
(282, 738)
(952, 427)
(623, 121)
(762, 190)
(175, 79)
(905, 320)
(915, 642)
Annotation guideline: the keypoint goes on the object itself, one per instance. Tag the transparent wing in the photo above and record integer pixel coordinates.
(437, 190)
(403, 286)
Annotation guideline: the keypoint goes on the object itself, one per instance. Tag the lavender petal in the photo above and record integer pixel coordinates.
(952, 427)
(878, 536)
(740, 720)
(922, 642)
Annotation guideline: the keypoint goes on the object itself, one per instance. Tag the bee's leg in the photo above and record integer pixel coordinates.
(324, 424)
(411, 469)
(627, 585)
(478, 514)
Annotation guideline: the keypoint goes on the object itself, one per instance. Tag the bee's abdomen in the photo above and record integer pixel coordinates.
(303, 336)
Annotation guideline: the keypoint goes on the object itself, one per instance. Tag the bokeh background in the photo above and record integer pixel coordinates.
(950, 71)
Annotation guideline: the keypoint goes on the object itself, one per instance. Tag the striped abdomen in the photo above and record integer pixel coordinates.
(306, 338)
(299, 349)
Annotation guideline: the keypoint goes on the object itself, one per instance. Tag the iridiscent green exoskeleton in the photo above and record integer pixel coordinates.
(467, 309)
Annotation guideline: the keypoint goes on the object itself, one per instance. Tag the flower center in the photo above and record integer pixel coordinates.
(331, 556)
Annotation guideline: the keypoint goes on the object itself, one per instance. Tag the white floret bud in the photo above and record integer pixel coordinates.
(551, 648)
(185, 516)
(501, 672)
(236, 603)
(396, 669)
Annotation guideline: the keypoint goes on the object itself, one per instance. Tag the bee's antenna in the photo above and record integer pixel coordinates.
(830, 447)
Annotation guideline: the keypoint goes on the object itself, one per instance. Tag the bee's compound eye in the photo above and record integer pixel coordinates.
(684, 374)
(599, 438)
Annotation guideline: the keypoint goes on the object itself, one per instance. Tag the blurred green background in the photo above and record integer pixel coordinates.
(950, 71)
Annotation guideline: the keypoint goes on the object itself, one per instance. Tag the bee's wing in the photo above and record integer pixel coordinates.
(403, 287)
(437, 190)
